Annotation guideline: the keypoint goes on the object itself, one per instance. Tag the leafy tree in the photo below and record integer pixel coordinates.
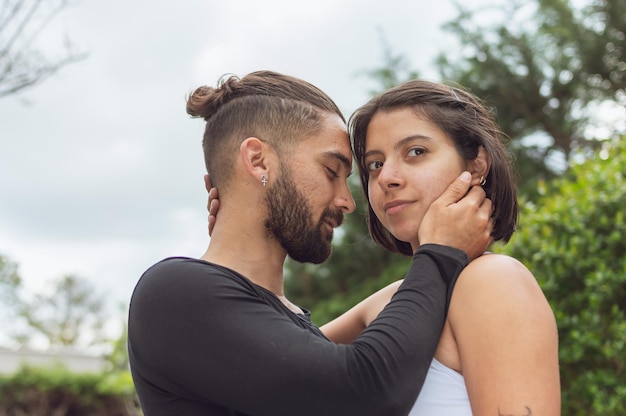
(69, 314)
(542, 65)
(9, 279)
(22, 65)
(572, 238)
(117, 357)
(395, 70)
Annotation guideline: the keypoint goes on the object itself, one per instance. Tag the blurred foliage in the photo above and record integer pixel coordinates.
(544, 65)
(396, 69)
(68, 313)
(572, 238)
(44, 391)
(117, 357)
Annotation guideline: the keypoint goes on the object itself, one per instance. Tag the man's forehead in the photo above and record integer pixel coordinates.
(344, 158)
(330, 145)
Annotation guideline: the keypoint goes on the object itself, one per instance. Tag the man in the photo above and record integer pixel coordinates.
(217, 336)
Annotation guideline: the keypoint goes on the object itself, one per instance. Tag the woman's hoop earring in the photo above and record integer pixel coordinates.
(483, 181)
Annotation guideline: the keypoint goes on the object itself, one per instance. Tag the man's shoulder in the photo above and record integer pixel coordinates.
(185, 266)
(187, 274)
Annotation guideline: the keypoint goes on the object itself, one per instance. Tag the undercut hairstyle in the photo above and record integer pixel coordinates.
(468, 122)
(278, 109)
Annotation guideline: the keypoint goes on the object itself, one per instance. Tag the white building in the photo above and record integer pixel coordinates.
(11, 360)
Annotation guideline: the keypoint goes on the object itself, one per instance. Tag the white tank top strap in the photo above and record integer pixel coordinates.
(444, 393)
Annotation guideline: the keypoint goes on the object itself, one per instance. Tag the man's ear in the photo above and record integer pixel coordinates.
(479, 167)
(257, 158)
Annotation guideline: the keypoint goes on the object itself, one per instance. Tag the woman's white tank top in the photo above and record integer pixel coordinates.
(443, 394)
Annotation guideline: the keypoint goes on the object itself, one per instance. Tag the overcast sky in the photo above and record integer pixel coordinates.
(101, 168)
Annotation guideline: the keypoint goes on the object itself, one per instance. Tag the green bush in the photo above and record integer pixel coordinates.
(573, 238)
(55, 390)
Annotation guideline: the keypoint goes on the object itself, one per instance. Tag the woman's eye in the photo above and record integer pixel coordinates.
(374, 165)
(416, 151)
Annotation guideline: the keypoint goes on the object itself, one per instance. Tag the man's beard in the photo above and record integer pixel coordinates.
(290, 221)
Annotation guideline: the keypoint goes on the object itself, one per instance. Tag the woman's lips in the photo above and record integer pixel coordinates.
(394, 207)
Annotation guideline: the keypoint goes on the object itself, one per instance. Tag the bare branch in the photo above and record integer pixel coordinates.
(10, 14)
(28, 77)
(22, 65)
(21, 26)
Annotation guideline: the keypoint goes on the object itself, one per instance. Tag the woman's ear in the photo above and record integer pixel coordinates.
(479, 167)
(256, 157)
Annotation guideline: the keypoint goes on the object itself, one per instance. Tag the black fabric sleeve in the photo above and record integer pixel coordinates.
(204, 338)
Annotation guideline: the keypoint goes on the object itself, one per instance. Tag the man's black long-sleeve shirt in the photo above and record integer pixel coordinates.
(205, 340)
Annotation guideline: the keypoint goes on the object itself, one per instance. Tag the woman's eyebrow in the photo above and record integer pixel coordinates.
(400, 144)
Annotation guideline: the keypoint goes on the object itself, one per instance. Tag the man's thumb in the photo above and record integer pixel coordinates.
(457, 189)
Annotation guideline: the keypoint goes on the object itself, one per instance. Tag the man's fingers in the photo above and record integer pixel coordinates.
(475, 196)
(211, 224)
(460, 218)
(213, 204)
(456, 190)
(212, 194)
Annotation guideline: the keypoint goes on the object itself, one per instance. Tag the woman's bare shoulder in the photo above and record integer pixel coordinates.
(496, 272)
(498, 288)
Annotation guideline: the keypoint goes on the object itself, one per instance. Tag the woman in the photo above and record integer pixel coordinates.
(498, 352)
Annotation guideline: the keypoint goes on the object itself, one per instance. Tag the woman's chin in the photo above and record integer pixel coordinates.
(407, 236)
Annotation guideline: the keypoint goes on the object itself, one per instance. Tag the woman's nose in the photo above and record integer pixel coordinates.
(389, 176)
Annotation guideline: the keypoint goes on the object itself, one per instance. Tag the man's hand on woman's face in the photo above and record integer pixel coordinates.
(459, 218)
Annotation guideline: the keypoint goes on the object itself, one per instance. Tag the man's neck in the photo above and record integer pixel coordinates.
(248, 250)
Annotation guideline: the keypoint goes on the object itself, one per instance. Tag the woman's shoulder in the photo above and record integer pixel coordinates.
(497, 261)
(497, 286)
(493, 271)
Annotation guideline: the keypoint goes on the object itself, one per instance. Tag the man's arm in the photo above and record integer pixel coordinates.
(345, 328)
(196, 335)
